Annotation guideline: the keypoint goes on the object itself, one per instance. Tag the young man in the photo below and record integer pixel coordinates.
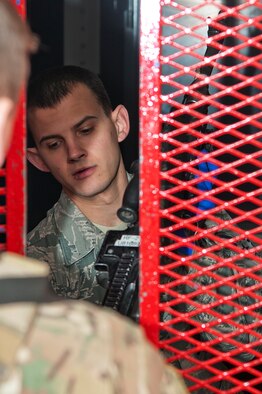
(60, 347)
(77, 136)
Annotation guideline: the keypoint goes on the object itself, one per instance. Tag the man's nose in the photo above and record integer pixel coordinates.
(74, 151)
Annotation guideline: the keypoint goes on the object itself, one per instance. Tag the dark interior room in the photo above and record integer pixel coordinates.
(101, 36)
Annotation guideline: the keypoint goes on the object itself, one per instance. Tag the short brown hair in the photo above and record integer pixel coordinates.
(51, 86)
(16, 42)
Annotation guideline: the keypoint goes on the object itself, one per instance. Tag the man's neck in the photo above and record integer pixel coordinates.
(100, 211)
(102, 208)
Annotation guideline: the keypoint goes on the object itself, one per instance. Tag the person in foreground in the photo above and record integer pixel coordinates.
(50, 346)
(77, 136)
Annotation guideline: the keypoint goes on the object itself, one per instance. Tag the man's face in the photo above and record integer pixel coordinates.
(78, 143)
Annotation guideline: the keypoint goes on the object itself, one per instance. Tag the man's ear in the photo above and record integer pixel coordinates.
(121, 120)
(35, 159)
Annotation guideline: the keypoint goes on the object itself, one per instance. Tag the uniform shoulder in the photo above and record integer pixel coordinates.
(44, 227)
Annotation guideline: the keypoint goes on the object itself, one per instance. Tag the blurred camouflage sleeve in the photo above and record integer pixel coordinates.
(76, 347)
(95, 350)
(71, 347)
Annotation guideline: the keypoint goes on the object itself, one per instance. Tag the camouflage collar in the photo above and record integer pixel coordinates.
(77, 235)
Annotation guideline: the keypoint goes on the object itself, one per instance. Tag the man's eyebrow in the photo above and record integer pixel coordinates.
(49, 137)
(78, 124)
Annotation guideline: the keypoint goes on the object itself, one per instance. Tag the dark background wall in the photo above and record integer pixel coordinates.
(68, 30)
(46, 19)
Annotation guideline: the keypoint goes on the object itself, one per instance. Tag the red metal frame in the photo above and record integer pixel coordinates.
(16, 175)
(149, 108)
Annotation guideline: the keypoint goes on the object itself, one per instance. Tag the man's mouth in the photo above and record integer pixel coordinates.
(83, 173)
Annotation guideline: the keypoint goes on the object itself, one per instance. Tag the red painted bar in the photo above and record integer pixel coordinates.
(149, 166)
(16, 175)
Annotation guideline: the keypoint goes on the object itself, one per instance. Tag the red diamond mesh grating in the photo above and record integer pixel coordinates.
(201, 227)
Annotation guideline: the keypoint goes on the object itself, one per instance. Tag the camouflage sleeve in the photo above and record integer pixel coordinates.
(76, 347)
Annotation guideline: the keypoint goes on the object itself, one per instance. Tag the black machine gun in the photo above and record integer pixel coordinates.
(118, 259)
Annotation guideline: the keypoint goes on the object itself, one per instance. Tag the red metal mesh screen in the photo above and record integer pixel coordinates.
(200, 133)
(12, 181)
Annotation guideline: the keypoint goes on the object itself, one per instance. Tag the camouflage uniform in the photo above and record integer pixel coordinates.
(73, 347)
(69, 243)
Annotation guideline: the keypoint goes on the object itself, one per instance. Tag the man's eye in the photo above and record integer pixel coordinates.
(53, 145)
(86, 130)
